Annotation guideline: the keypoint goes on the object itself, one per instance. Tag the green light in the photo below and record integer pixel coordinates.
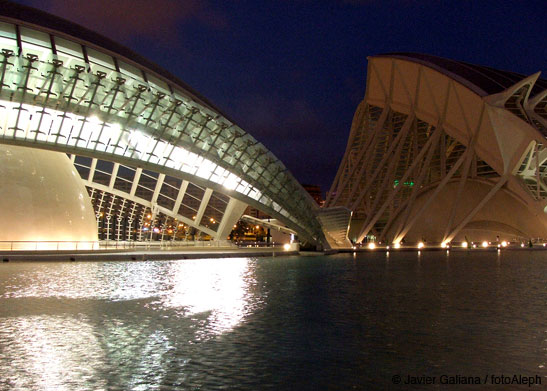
(407, 183)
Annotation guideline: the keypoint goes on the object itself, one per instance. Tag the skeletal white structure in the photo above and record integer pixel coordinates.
(443, 150)
(144, 143)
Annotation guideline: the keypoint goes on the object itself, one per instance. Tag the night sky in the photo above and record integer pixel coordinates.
(291, 73)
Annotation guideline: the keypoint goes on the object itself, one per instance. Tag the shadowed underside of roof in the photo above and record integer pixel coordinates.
(482, 80)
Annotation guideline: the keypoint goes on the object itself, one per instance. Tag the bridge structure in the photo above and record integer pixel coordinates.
(149, 150)
(442, 150)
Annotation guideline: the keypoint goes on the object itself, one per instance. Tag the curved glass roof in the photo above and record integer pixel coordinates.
(89, 96)
(40, 18)
(481, 79)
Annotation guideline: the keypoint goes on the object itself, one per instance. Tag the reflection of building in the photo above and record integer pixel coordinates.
(144, 142)
(442, 150)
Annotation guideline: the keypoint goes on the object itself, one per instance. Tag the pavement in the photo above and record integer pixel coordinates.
(139, 254)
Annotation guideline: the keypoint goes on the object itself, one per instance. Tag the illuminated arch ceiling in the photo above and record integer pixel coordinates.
(67, 89)
(441, 149)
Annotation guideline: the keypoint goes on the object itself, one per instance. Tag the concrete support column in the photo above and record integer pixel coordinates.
(157, 189)
(92, 170)
(114, 175)
(180, 196)
(136, 180)
(234, 211)
(203, 205)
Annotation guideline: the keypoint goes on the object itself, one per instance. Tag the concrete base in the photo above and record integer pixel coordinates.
(143, 255)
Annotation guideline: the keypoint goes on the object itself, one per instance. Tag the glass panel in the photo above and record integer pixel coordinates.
(101, 59)
(7, 30)
(130, 71)
(157, 84)
(8, 43)
(69, 48)
(35, 37)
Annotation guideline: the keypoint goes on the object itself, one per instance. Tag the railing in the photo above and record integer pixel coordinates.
(166, 244)
(120, 245)
(295, 246)
(253, 243)
(48, 245)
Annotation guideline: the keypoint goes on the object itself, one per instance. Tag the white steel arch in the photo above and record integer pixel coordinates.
(123, 192)
(87, 96)
(436, 144)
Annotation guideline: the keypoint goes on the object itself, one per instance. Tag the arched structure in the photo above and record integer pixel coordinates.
(143, 141)
(442, 150)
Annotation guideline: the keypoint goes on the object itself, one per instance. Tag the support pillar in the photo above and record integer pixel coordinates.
(234, 210)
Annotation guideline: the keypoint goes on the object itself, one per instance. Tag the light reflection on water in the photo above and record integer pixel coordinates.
(308, 323)
(46, 337)
(220, 288)
(217, 287)
(40, 358)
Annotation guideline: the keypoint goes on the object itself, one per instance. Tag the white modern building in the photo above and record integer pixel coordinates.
(93, 134)
(443, 151)
(97, 142)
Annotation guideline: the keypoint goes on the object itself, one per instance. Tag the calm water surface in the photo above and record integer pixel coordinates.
(287, 323)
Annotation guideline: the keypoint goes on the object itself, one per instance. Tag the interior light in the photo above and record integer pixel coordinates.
(94, 120)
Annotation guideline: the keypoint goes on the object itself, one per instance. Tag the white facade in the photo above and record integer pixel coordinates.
(90, 98)
(442, 151)
(43, 199)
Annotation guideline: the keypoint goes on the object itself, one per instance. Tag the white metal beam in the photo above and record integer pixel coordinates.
(92, 170)
(157, 188)
(432, 140)
(472, 214)
(136, 180)
(114, 175)
(203, 205)
(148, 204)
(234, 210)
(439, 187)
(180, 196)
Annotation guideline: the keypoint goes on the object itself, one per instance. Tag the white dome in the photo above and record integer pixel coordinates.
(42, 198)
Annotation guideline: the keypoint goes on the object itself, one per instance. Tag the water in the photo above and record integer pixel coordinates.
(287, 323)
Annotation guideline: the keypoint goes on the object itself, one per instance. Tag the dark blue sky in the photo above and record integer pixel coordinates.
(291, 73)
